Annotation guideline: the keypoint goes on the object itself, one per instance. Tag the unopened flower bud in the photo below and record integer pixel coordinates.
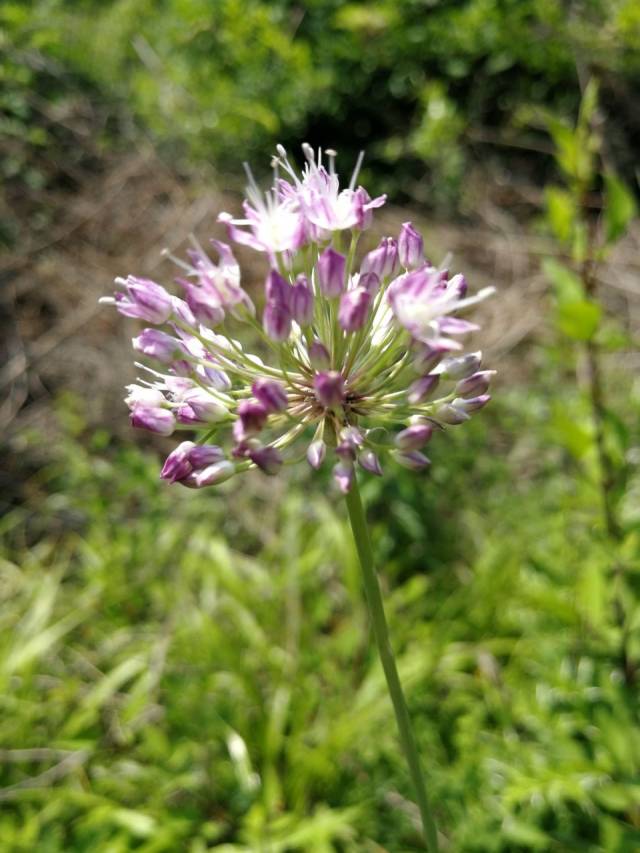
(203, 455)
(427, 357)
(177, 464)
(252, 415)
(204, 304)
(370, 462)
(410, 247)
(277, 288)
(477, 383)
(343, 474)
(268, 459)
(382, 261)
(205, 407)
(319, 356)
(330, 270)
(370, 282)
(316, 453)
(329, 388)
(271, 394)
(354, 308)
(413, 437)
(412, 459)
(277, 320)
(422, 388)
(139, 395)
(158, 345)
(144, 300)
(462, 366)
(214, 474)
(449, 413)
(471, 404)
(153, 419)
(301, 302)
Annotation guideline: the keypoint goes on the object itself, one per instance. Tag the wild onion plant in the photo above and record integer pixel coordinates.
(365, 361)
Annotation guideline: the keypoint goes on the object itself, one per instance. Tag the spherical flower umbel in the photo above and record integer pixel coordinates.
(360, 360)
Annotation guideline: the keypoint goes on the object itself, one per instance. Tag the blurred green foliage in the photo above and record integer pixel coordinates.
(222, 82)
(193, 671)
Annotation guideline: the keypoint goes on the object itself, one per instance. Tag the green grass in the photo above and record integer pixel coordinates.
(192, 671)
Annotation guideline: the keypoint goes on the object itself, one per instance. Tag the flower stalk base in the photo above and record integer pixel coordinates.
(381, 634)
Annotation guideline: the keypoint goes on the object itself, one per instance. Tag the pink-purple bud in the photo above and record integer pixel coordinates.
(411, 459)
(477, 383)
(144, 300)
(204, 304)
(330, 271)
(354, 307)
(153, 419)
(319, 356)
(382, 261)
(413, 437)
(410, 247)
(268, 459)
(427, 357)
(370, 462)
(301, 301)
(329, 388)
(277, 320)
(158, 345)
(277, 288)
(370, 282)
(462, 366)
(316, 453)
(271, 394)
(205, 407)
(344, 475)
(213, 474)
(252, 415)
(203, 455)
(177, 465)
(448, 413)
(422, 388)
(471, 404)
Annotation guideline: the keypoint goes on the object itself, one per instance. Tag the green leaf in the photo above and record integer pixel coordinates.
(567, 285)
(579, 320)
(620, 207)
(561, 212)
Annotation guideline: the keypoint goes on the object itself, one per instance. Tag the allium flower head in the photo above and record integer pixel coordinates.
(355, 361)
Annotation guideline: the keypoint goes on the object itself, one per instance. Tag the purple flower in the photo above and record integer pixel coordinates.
(471, 404)
(354, 308)
(203, 455)
(203, 303)
(329, 388)
(153, 419)
(277, 320)
(410, 247)
(301, 302)
(330, 271)
(144, 300)
(462, 366)
(271, 394)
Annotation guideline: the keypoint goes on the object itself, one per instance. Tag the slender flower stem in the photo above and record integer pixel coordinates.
(381, 633)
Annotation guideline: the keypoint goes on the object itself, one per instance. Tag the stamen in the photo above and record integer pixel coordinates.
(356, 171)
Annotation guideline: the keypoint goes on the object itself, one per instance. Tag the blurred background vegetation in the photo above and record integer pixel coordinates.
(193, 671)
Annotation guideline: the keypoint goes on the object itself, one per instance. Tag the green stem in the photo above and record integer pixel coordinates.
(381, 633)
